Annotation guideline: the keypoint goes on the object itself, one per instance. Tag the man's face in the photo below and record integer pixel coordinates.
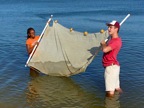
(112, 30)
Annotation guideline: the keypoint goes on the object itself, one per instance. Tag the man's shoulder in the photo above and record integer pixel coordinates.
(114, 43)
(119, 40)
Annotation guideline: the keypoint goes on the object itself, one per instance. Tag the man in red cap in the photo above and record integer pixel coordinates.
(110, 62)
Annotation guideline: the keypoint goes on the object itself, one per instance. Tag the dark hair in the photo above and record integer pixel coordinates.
(118, 29)
(28, 31)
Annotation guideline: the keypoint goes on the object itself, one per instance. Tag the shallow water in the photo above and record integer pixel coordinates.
(86, 90)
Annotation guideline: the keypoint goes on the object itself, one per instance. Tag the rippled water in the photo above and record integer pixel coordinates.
(86, 90)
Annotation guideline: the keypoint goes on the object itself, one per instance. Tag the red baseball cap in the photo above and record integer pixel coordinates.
(113, 23)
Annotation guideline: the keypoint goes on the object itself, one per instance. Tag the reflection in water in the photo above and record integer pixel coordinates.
(56, 92)
(32, 95)
(34, 72)
(112, 102)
